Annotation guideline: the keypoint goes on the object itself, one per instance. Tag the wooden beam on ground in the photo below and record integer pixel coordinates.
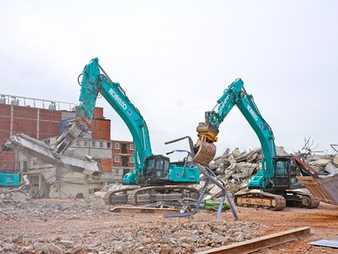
(138, 209)
(262, 242)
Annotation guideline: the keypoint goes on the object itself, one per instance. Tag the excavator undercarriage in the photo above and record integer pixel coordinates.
(178, 196)
(276, 202)
(258, 198)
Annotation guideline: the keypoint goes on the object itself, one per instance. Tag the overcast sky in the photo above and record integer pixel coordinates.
(174, 59)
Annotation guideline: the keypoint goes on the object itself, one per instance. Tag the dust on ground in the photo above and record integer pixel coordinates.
(87, 226)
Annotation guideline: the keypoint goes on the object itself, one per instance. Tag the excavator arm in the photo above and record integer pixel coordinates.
(149, 168)
(95, 81)
(235, 94)
(275, 184)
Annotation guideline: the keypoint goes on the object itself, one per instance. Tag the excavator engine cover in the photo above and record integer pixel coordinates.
(204, 152)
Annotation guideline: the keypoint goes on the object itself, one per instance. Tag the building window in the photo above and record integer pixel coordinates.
(101, 144)
(24, 165)
(116, 158)
(131, 147)
(126, 171)
(124, 160)
(108, 144)
(93, 143)
(117, 145)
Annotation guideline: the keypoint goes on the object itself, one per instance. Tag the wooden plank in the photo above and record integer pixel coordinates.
(262, 242)
(139, 209)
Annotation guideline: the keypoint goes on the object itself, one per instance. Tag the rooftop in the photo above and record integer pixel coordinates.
(36, 103)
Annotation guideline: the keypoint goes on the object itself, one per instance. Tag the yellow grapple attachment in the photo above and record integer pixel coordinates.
(205, 150)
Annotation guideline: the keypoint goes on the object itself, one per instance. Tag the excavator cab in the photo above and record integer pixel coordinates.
(156, 169)
(284, 174)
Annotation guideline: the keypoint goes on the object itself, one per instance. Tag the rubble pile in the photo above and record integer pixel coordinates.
(325, 164)
(13, 195)
(44, 209)
(72, 227)
(166, 237)
(235, 168)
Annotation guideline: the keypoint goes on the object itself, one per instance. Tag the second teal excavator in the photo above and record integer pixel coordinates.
(274, 186)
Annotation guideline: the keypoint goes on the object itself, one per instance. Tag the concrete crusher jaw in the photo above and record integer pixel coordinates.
(205, 152)
(204, 148)
(77, 128)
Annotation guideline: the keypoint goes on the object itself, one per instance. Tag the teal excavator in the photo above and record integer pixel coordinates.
(275, 185)
(155, 179)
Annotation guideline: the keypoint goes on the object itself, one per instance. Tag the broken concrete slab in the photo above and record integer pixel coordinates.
(43, 152)
(49, 248)
(335, 160)
(320, 162)
(331, 169)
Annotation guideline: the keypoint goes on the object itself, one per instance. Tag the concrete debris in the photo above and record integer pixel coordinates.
(325, 165)
(235, 168)
(331, 169)
(47, 181)
(320, 163)
(335, 160)
(53, 175)
(114, 187)
(10, 196)
(49, 248)
(110, 233)
(39, 149)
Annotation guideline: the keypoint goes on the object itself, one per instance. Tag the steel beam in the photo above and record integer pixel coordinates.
(262, 242)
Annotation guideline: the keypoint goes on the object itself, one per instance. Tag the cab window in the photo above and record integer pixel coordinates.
(151, 163)
(159, 164)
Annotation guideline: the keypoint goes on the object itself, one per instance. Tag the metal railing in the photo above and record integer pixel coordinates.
(36, 103)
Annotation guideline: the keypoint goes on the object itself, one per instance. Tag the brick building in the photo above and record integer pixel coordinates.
(43, 119)
(122, 156)
(37, 118)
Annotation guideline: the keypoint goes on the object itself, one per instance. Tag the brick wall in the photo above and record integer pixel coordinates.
(106, 164)
(100, 129)
(49, 123)
(43, 123)
(37, 123)
(122, 153)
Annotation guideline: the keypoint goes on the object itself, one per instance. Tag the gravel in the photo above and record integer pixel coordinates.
(87, 226)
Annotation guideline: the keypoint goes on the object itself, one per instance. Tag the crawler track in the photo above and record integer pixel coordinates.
(154, 196)
(257, 198)
(301, 199)
(292, 198)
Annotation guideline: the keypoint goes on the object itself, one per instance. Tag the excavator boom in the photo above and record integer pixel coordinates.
(94, 81)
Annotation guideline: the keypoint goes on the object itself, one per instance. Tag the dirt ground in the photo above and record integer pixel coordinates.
(323, 222)
(81, 227)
